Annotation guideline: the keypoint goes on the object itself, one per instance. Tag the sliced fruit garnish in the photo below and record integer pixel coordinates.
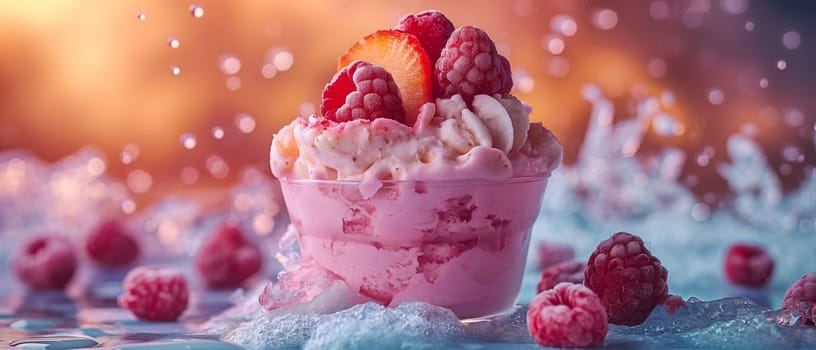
(402, 55)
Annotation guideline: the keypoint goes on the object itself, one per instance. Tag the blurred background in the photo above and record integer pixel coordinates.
(183, 95)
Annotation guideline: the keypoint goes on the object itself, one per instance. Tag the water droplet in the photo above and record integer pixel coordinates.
(791, 40)
(175, 70)
(558, 67)
(734, 7)
(168, 232)
(217, 167)
(792, 153)
(605, 19)
(763, 83)
(139, 181)
(141, 16)
(218, 132)
(749, 26)
(174, 43)
(96, 166)
(700, 212)
(54, 342)
(269, 71)
(306, 109)
(197, 10)
(263, 224)
(749, 129)
(554, 44)
(715, 96)
(781, 64)
(128, 206)
(281, 58)
(657, 68)
(523, 81)
(245, 123)
(666, 125)
(659, 9)
(785, 169)
(564, 25)
(189, 175)
(188, 141)
(233, 83)
(129, 154)
(794, 118)
(229, 64)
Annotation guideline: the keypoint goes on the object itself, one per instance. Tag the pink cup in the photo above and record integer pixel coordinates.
(461, 245)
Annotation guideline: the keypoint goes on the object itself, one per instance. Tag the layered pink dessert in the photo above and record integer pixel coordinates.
(418, 183)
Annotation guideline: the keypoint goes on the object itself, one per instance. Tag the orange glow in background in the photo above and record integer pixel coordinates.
(190, 93)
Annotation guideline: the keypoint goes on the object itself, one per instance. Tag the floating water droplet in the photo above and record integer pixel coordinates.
(794, 118)
(233, 83)
(168, 232)
(715, 96)
(217, 167)
(139, 181)
(605, 19)
(792, 153)
(763, 83)
(666, 125)
(657, 68)
(189, 141)
(523, 81)
(173, 42)
(306, 109)
(197, 10)
(128, 206)
(554, 44)
(269, 71)
(245, 123)
(749, 129)
(564, 25)
(229, 64)
(659, 9)
(749, 26)
(781, 64)
(700, 212)
(175, 70)
(218, 132)
(281, 58)
(129, 154)
(263, 224)
(785, 169)
(141, 16)
(189, 175)
(791, 40)
(96, 166)
(734, 7)
(558, 67)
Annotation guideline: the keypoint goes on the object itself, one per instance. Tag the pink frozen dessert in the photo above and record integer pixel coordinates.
(422, 178)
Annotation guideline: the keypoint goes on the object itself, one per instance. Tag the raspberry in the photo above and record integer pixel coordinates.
(228, 258)
(748, 265)
(46, 262)
(627, 278)
(470, 65)
(432, 29)
(553, 253)
(362, 90)
(801, 298)
(567, 316)
(154, 294)
(111, 244)
(566, 271)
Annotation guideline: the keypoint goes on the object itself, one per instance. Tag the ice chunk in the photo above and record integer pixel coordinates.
(511, 328)
(372, 326)
(272, 330)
